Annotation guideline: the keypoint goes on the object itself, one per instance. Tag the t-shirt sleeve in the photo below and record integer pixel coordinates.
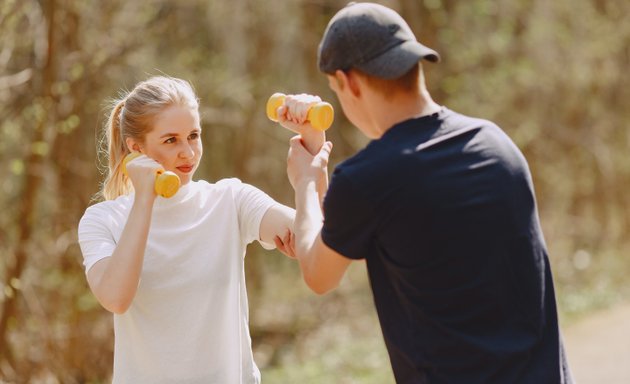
(95, 237)
(252, 204)
(348, 219)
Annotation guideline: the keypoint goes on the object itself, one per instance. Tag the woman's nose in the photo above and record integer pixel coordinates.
(186, 152)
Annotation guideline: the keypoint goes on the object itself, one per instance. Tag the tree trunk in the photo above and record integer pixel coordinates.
(33, 164)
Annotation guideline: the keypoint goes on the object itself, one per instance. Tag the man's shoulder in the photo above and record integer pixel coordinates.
(455, 124)
(452, 120)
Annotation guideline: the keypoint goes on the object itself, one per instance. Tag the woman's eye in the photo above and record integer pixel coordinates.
(170, 140)
(193, 136)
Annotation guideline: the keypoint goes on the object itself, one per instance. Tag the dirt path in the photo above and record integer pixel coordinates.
(598, 347)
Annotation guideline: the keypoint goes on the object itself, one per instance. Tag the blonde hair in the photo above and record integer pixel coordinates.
(132, 116)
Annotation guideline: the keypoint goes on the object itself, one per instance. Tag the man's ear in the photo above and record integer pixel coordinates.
(340, 78)
(352, 81)
(133, 145)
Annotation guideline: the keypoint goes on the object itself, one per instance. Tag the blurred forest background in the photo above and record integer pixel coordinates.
(552, 74)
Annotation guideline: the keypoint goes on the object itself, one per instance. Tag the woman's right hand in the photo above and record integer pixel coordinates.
(142, 171)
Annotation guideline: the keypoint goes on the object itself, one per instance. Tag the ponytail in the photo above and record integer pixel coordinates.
(116, 183)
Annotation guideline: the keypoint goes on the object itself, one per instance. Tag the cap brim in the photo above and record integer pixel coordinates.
(398, 60)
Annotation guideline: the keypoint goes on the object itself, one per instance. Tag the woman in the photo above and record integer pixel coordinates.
(171, 270)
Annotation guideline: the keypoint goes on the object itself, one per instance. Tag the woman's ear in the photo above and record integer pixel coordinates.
(132, 145)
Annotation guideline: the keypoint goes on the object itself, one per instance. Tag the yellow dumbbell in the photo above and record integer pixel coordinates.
(166, 182)
(320, 115)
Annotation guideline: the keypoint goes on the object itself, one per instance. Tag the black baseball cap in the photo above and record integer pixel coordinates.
(372, 38)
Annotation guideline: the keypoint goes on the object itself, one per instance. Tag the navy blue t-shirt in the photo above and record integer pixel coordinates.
(442, 209)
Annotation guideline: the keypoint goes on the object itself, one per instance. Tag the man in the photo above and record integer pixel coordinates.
(440, 205)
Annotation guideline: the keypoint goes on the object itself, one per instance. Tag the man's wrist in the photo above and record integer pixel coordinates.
(305, 182)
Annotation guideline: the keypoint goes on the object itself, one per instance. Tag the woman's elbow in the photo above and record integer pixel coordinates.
(116, 306)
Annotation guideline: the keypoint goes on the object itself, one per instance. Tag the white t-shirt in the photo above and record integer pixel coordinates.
(188, 323)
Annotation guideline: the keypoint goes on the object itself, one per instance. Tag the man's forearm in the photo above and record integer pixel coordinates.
(322, 268)
(308, 222)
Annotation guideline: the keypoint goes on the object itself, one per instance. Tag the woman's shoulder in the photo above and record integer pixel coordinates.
(227, 186)
(229, 182)
(232, 184)
(108, 207)
(235, 187)
(105, 214)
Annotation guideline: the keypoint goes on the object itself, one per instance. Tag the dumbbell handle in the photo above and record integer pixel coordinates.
(320, 115)
(166, 182)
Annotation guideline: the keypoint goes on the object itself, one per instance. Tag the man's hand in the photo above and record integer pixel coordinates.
(302, 166)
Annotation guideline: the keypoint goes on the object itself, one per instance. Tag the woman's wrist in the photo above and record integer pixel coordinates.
(145, 200)
(313, 140)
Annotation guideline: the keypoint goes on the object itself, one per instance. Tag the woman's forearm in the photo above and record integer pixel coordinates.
(116, 280)
(313, 140)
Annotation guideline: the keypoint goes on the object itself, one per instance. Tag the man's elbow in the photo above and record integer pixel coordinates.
(320, 287)
(117, 308)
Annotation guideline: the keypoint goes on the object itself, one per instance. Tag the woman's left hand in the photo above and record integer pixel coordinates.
(293, 115)
(286, 244)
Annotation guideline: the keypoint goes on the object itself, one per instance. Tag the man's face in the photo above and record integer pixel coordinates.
(352, 103)
(338, 85)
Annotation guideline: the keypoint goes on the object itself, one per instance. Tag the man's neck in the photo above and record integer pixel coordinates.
(389, 112)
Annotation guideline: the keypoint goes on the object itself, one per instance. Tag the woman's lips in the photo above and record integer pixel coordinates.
(185, 168)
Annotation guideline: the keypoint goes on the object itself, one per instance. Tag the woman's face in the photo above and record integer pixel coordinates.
(175, 141)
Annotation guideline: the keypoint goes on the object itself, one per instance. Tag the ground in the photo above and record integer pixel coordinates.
(336, 338)
(598, 347)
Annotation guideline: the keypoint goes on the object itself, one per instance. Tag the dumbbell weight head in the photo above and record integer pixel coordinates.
(321, 116)
(275, 101)
(166, 183)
